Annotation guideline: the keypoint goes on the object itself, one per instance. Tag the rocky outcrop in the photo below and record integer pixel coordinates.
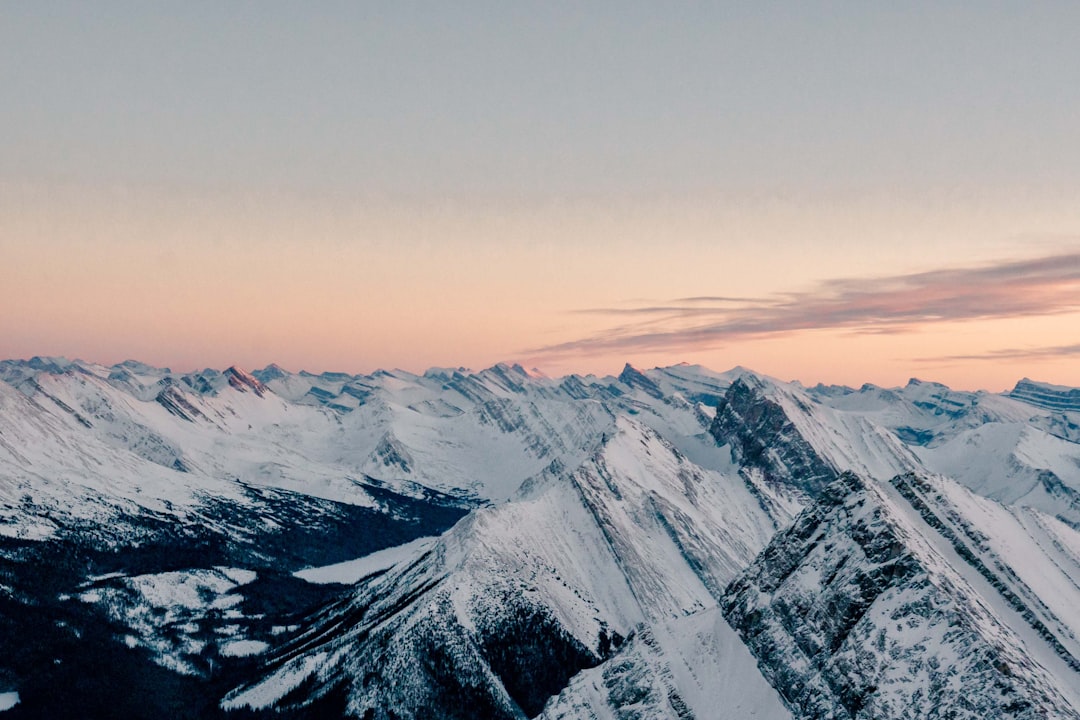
(848, 621)
(173, 400)
(244, 382)
(763, 437)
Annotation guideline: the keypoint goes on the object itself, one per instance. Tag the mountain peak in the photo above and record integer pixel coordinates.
(244, 381)
(636, 379)
(1045, 395)
(273, 371)
(49, 364)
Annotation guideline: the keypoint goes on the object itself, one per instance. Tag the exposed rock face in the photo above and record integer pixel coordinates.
(245, 382)
(848, 620)
(762, 436)
(173, 400)
(392, 453)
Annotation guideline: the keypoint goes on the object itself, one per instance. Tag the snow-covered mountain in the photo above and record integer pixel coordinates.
(997, 445)
(872, 605)
(1053, 397)
(673, 542)
(584, 560)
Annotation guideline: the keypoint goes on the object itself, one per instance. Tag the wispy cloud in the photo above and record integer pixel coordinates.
(899, 303)
(1035, 353)
(648, 310)
(715, 299)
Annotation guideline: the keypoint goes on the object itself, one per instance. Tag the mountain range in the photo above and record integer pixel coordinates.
(665, 543)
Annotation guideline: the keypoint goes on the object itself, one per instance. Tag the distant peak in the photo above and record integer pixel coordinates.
(273, 371)
(916, 382)
(748, 380)
(49, 364)
(740, 372)
(1047, 395)
(1028, 382)
(636, 379)
(243, 381)
(140, 367)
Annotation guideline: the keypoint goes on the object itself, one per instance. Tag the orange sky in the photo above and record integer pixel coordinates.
(354, 185)
(346, 283)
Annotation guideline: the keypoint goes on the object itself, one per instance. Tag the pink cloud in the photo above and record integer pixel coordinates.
(899, 303)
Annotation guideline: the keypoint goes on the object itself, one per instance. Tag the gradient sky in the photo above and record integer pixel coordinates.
(838, 192)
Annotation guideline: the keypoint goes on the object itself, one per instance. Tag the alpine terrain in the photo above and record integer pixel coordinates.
(667, 543)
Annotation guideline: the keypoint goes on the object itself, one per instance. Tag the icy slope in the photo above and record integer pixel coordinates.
(57, 473)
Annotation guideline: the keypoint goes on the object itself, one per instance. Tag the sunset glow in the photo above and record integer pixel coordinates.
(539, 215)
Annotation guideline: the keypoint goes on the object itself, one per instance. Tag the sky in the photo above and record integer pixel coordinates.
(835, 192)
